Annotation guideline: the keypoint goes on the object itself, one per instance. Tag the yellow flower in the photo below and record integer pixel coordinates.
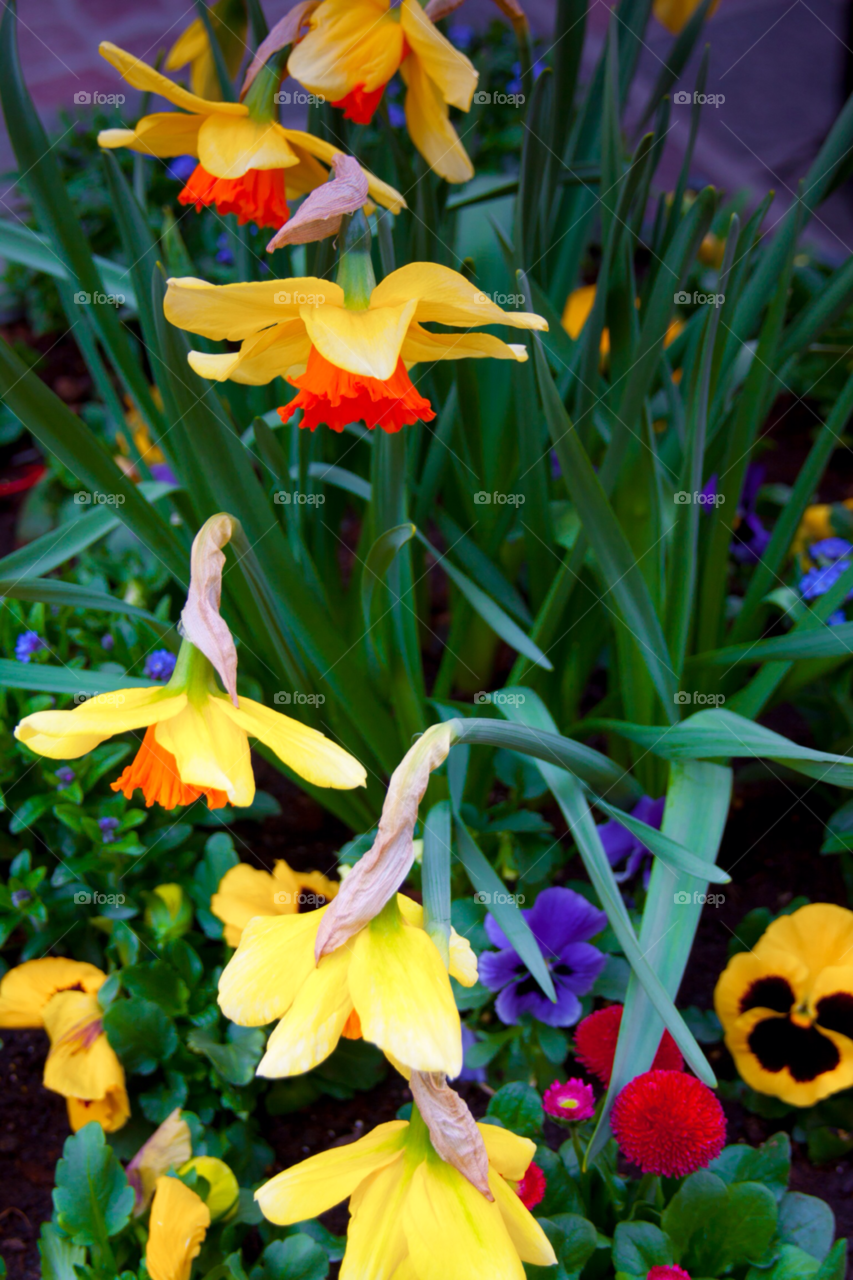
(60, 995)
(675, 14)
(245, 892)
(787, 1006)
(353, 49)
(577, 310)
(228, 18)
(223, 1188)
(249, 165)
(387, 983)
(178, 1225)
(413, 1216)
(816, 525)
(355, 361)
(196, 741)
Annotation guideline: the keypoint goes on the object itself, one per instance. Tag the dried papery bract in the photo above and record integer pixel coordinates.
(286, 31)
(169, 1147)
(375, 879)
(438, 9)
(452, 1129)
(201, 620)
(320, 214)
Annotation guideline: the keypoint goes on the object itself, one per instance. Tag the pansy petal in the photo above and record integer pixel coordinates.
(449, 69)
(578, 966)
(495, 933)
(111, 1112)
(497, 968)
(429, 125)
(820, 934)
(304, 750)
(66, 735)
(26, 989)
(453, 1230)
(176, 1229)
(274, 958)
(141, 76)
(446, 297)
(312, 1026)
(508, 1153)
(376, 1241)
(324, 1180)
(421, 345)
(210, 750)
(748, 981)
(365, 342)
(237, 311)
(81, 1062)
(228, 147)
(528, 1238)
(560, 916)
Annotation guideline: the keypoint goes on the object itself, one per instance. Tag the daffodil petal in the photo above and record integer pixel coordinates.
(453, 1230)
(26, 989)
(376, 1241)
(365, 342)
(228, 147)
(324, 1180)
(209, 750)
(421, 345)
(463, 961)
(237, 311)
(312, 1026)
(350, 42)
(274, 353)
(528, 1239)
(65, 735)
(447, 297)
(429, 125)
(141, 76)
(402, 995)
(245, 892)
(275, 957)
(167, 133)
(449, 69)
(508, 1153)
(304, 750)
(176, 1229)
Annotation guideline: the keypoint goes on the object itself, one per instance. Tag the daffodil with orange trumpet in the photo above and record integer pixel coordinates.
(248, 164)
(196, 739)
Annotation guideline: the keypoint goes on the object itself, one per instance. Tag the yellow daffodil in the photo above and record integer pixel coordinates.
(412, 1215)
(249, 164)
(228, 19)
(178, 1225)
(169, 1147)
(354, 47)
(577, 310)
(245, 892)
(387, 983)
(61, 996)
(787, 1006)
(675, 14)
(349, 361)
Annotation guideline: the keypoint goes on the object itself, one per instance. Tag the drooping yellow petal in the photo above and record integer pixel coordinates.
(402, 994)
(169, 1147)
(210, 750)
(365, 342)
(245, 892)
(65, 735)
(421, 345)
(275, 353)
(224, 1187)
(312, 1026)
(324, 1180)
(304, 750)
(429, 125)
(141, 76)
(351, 42)
(446, 297)
(508, 1153)
(528, 1239)
(237, 311)
(576, 311)
(463, 961)
(449, 69)
(26, 989)
(166, 133)
(178, 1225)
(274, 958)
(111, 1112)
(229, 146)
(452, 1229)
(376, 1241)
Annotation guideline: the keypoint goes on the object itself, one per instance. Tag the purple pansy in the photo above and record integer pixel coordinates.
(108, 829)
(832, 557)
(64, 777)
(562, 921)
(182, 168)
(160, 664)
(28, 643)
(163, 472)
(620, 843)
(107, 641)
(223, 251)
(470, 1073)
(752, 537)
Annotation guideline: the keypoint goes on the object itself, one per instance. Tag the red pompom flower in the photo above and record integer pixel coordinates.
(669, 1123)
(531, 1188)
(669, 1271)
(595, 1044)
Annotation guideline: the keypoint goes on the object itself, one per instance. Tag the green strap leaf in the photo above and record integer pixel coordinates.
(20, 244)
(435, 875)
(664, 847)
(43, 678)
(52, 591)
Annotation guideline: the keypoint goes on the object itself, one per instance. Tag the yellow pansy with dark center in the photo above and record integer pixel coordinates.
(787, 1006)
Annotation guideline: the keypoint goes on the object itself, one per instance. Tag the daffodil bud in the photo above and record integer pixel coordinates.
(452, 1129)
(202, 623)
